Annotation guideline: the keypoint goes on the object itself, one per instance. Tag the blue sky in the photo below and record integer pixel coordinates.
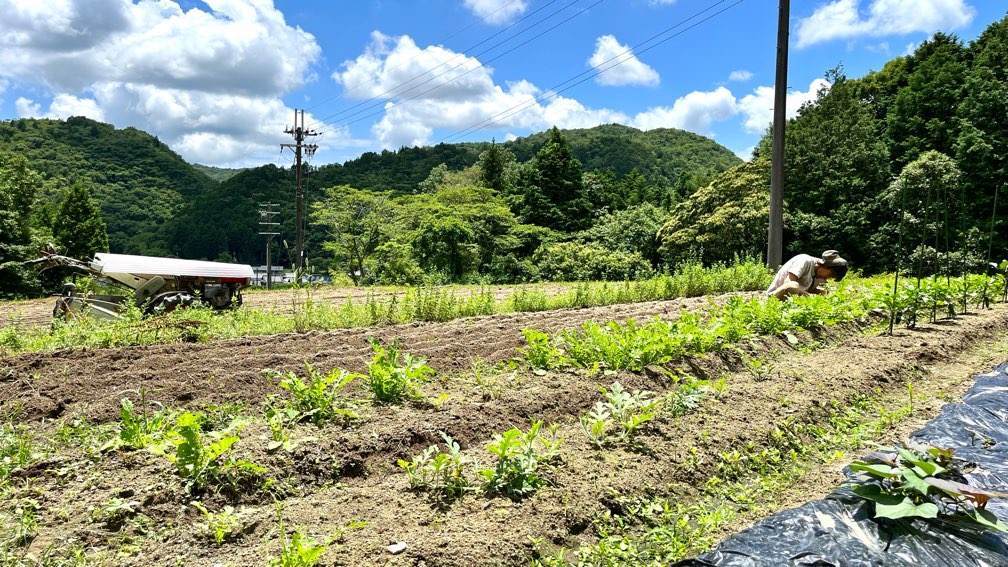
(217, 80)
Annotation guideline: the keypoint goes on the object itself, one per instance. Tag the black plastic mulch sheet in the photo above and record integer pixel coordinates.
(839, 530)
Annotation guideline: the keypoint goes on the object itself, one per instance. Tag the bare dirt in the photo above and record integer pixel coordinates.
(91, 382)
(345, 487)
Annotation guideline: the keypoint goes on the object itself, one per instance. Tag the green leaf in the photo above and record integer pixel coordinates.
(914, 481)
(874, 469)
(874, 493)
(926, 468)
(986, 518)
(906, 509)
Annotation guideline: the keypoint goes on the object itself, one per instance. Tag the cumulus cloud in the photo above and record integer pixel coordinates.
(740, 75)
(695, 112)
(758, 105)
(460, 93)
(496, 12)
(469, 97)
(842, 19)
(618, 66)
(191, 76)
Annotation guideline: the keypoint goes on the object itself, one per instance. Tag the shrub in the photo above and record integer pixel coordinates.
(571, 261)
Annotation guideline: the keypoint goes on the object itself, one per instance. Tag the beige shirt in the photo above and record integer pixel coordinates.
(802, 267)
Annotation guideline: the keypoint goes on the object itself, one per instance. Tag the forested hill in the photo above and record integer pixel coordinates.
(139, 182)
(148, 194)
(666, 157)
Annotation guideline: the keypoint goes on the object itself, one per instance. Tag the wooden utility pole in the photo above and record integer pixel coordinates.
(268, 228)
(300, 148)
(775, 234)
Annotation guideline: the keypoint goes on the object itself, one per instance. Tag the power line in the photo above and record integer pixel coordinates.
(463, 54)
(584, 76)
(459, 76)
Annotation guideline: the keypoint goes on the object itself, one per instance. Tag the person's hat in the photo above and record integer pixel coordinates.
(832, 258)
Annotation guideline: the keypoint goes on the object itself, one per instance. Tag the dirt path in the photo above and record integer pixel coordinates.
(348, 484)
(91, 382)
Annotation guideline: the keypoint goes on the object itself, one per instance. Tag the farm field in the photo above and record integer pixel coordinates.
(233, 452)
(38, 312)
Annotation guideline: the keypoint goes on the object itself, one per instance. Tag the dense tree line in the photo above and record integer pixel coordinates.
(858, 158)
(38, 215)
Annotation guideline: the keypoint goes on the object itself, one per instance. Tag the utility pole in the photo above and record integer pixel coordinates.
(268, 228)
(775, 234)
(300, 148)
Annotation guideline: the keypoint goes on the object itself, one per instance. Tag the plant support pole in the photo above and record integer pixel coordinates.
(775, 232)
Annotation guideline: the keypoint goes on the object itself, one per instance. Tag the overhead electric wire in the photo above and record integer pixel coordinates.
(596, 70)
(452, 35)
(386, 106)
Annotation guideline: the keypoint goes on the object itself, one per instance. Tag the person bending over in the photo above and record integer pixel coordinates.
(803, 274)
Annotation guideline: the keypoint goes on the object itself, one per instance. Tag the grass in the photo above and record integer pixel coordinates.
(750, 481)
(415, 304)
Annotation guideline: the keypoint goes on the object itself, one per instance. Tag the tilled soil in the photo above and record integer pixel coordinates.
(349, 488)
(91, 382)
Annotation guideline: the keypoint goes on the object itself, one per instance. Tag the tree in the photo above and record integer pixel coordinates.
(356, 223)
(920, 117)
(78, 228)
(837, 164)
(549, 189)
(492, 164)
(725, 219)
(923, 203)
(632, 230)
(18, 186)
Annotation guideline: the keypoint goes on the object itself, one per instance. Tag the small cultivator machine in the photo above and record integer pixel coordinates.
(158, 285)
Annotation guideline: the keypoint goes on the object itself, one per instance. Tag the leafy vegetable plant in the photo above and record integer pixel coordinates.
(616, 419)
(317, 398)
(139, 429)
(440, 473)
(519, 455)
(205, 462)
(299, 550)
(394, 376)
(923, 482)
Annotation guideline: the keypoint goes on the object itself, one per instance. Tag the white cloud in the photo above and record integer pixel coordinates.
(497, 12)
(758, 106)
(740, 75)
(26, 108)
(695, 112)
(459, 98)
(619, 66)
(745, 154)
(188, 76)
(841, 19)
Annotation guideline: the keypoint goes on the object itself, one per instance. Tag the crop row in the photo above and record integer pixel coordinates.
(419, 304)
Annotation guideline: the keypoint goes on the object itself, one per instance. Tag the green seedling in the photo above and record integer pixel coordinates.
(439, 473)
(394, 376)
(519, 455)
(616, 419)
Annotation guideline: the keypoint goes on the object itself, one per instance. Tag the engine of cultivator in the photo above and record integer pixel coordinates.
(158, 285)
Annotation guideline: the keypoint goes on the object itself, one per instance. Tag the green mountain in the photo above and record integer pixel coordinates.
(663, 156)
(218, 173)
(156, 203)
(140, 182)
